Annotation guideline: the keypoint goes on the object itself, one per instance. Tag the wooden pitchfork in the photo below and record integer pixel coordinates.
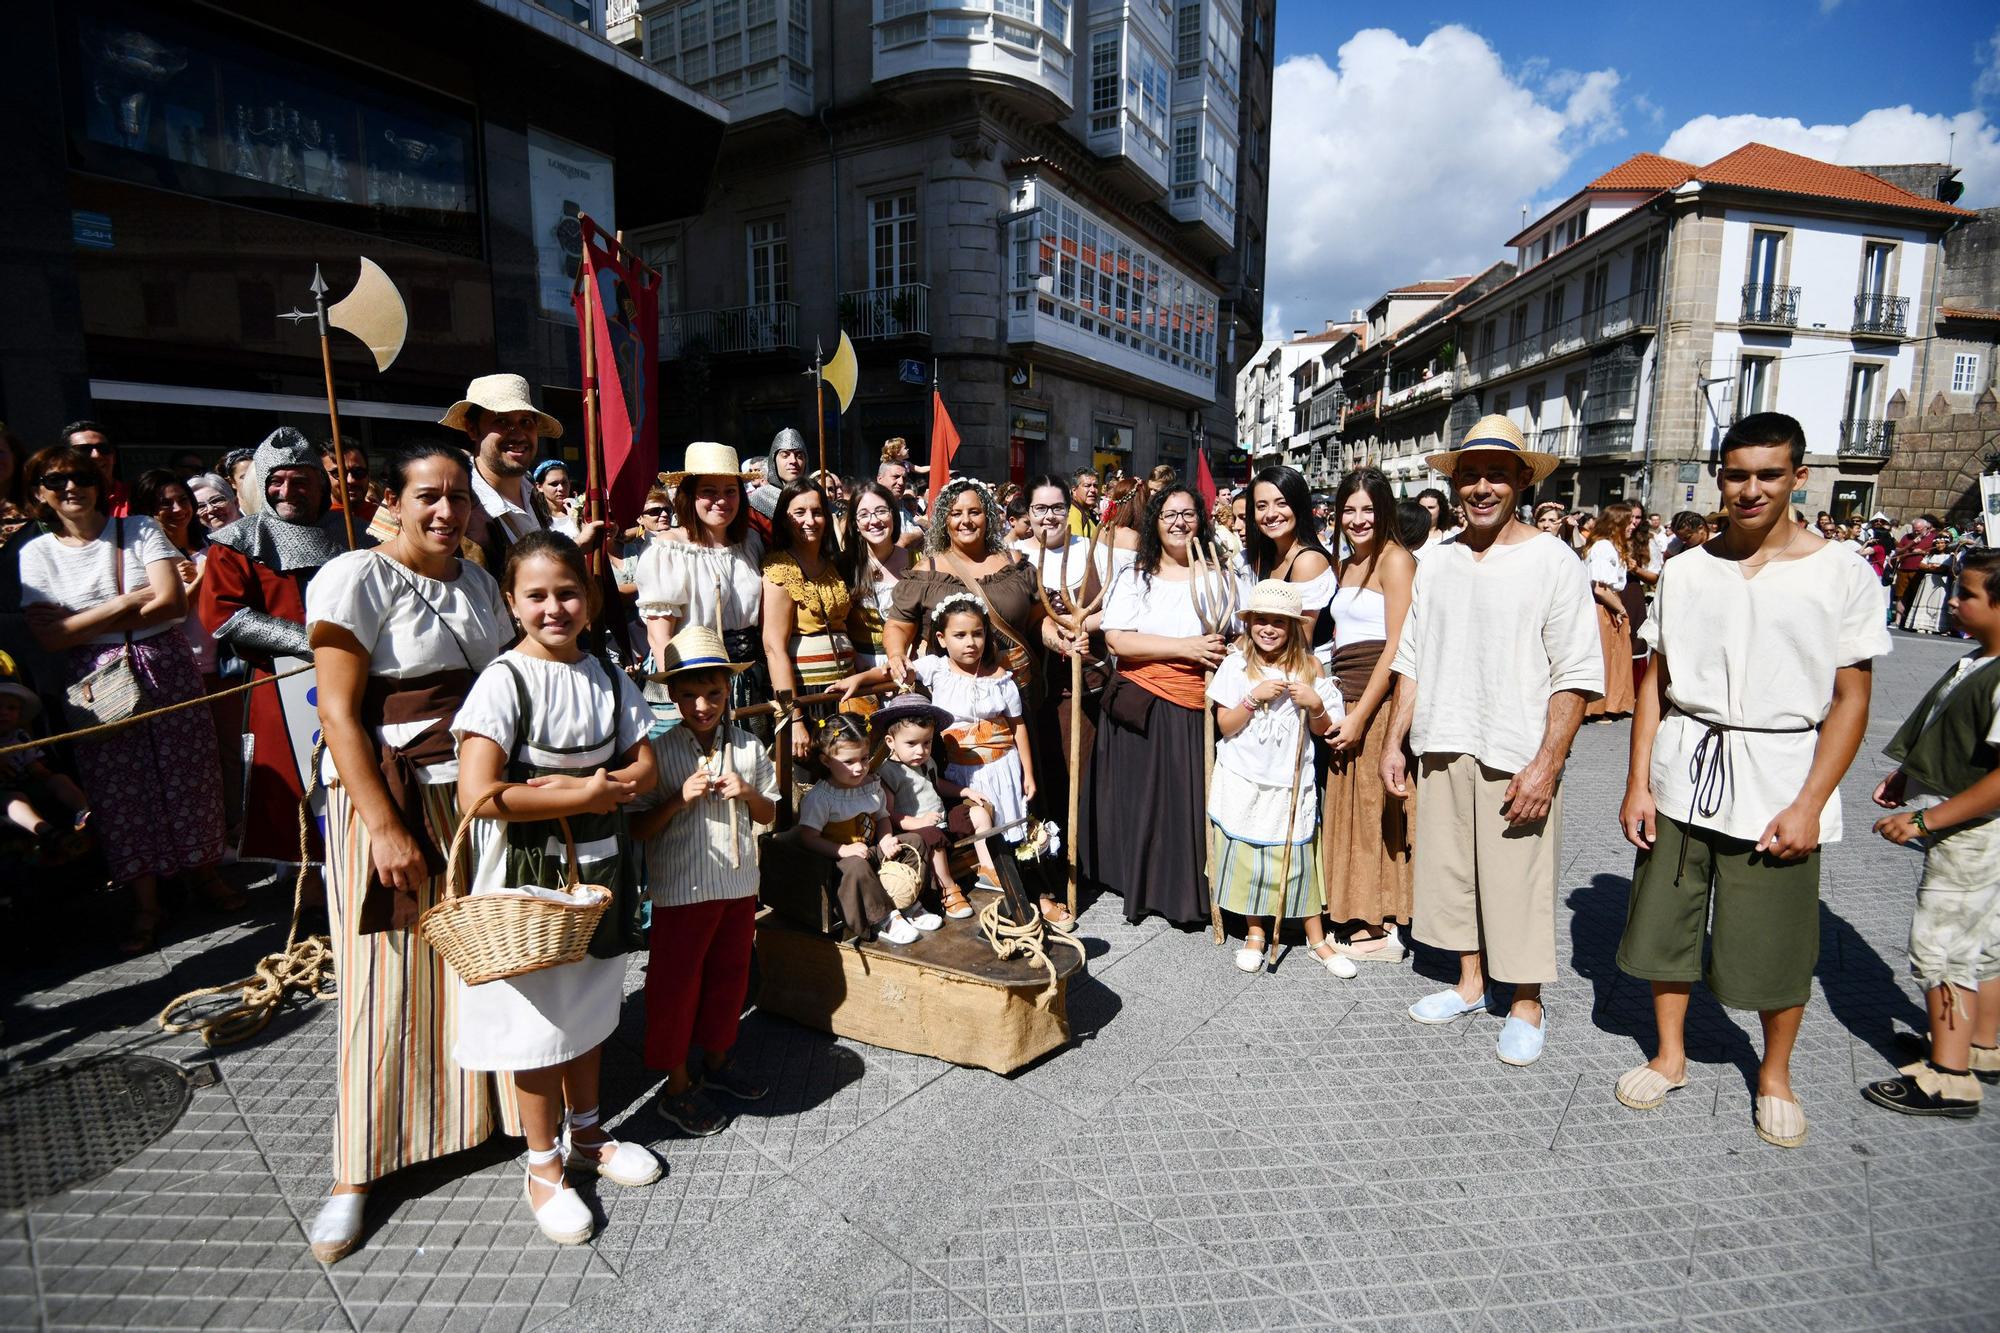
(1069, 618)
(1216, 596)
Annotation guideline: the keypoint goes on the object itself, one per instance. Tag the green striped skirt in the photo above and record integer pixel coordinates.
(1246, 872)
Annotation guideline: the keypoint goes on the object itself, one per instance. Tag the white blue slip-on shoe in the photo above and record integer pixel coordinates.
(1444, 1006)
(1521, 1041)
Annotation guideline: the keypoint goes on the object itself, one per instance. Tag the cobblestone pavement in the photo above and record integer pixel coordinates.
(1216, 1149)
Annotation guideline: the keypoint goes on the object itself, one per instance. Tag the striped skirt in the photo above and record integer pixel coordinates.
(402, 1100)
(1246, 872)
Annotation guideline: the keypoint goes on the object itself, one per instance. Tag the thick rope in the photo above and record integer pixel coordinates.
(104, 727)
(304, 965)
(1009, 939)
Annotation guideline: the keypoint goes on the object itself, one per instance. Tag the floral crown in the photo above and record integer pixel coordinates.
(958, 601)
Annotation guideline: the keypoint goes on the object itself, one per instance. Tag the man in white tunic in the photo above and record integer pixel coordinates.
(1498, 656)
(1753, 707)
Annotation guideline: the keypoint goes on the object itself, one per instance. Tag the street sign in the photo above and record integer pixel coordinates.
(911, 372)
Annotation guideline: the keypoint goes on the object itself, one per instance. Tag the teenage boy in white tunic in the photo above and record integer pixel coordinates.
(1497, 658)
(1754, 704)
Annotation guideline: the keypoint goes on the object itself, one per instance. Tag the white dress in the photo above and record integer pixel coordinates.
(971, 699)
(1257, 762)
(545, 1018)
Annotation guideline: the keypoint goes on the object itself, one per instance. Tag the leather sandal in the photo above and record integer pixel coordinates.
(140, 935)
(1050, 909)
(954, 902)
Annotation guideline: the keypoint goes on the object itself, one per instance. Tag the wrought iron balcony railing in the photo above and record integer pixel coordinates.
(1562, 441)
(1773, 307)
(1881, 316)
(902, 311)
(1867, 438)
(768, 326)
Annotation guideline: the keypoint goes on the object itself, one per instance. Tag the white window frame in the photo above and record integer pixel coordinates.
(768, 261)
(1965, 368)
(892, 239)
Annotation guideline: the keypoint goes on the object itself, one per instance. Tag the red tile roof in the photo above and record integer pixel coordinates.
(1644, 171)
(1759, 166)
(1973, 312)
(1430, 287)
(1334, 334)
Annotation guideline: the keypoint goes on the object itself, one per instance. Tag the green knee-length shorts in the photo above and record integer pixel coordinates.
(1764, 930)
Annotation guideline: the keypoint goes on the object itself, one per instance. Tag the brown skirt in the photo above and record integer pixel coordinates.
(1366, 854)
(1619, 696)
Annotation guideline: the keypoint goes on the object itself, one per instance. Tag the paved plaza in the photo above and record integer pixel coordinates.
(1215, 1150)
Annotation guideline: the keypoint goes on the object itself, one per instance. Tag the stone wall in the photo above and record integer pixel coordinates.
(1937, 460)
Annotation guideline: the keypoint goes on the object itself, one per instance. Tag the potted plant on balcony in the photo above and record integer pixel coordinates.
(901, 307)
(850, 312)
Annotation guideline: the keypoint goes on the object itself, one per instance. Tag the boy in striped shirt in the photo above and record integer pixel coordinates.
(699, 829)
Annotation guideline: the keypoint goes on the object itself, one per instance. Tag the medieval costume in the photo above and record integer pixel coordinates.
(764, 499)
(252, 600)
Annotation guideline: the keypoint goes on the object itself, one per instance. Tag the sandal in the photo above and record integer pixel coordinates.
(139, 937)
(1250, 958)
(691, 1113)
(1050, 907)
(1335, 962)
(954, 902)
(625, 1164)
(219, 894)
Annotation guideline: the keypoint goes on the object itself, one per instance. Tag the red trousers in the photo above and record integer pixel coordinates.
(697, 977)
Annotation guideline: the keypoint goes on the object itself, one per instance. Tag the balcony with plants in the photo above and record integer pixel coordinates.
(901, 311)
(766, 326)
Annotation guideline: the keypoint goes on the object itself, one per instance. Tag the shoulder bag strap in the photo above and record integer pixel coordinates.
(416, 590)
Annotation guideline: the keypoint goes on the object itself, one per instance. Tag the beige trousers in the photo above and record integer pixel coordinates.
(1483, 884)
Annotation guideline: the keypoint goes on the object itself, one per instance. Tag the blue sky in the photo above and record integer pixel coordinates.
(1405, 143)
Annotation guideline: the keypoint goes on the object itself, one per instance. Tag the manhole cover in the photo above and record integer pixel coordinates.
(73, 1120)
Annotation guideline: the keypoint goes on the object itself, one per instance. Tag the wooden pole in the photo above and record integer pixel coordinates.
(333, 416)
(819, 413)
(1075, 765)
(1285, 859)
(592, 504)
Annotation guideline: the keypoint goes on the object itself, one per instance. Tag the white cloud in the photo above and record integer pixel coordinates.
(1885, 135)
(1987, 56)
(1404, 161)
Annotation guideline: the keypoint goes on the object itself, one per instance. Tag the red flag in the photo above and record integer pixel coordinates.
(1204, 480)
(627, 330)
(944, 443)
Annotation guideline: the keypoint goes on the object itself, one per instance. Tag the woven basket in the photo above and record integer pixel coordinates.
(902, 876)
(491, 936)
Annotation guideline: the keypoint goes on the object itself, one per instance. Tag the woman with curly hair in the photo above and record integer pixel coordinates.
(965, 551)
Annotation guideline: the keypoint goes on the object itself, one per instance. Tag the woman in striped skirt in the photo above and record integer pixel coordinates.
(399, 632)
(1268, 693)
(806, 606)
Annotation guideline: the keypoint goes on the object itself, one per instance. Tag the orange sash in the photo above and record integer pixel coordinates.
(1176, 682)
(972, 744)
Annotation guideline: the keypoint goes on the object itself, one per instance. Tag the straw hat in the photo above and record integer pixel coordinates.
(1274, 597)
(706, 458)
(908, 707)
(697, 648)
(499, 393)
(1496, 434)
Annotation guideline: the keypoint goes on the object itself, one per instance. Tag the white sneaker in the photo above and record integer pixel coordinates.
(337, 1229)
(927, 921)
(898, 930)
(563, 1217)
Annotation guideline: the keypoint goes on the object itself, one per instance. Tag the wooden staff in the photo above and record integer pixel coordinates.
(1285, 859)
(1070, 621)
(592, 509)
(1215, 595)
(722, 762)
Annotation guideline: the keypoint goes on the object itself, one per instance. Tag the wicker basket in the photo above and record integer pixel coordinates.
(491, 936)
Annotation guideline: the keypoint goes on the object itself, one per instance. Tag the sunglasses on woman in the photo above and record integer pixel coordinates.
(57, 481)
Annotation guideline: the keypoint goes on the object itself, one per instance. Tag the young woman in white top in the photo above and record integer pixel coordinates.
(873, 557)
(708, 570)
(101, 589)
(1367, 835)
(1283, 543)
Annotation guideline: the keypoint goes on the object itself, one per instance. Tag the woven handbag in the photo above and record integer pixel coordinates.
(510, 932)
(112, 692)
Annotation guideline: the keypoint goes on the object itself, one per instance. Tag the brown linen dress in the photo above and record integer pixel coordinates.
(1366, 854)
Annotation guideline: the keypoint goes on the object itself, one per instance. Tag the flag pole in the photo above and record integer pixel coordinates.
(819, 408)
(591, 471)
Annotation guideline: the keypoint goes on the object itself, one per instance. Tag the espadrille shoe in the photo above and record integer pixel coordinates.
(1646, 1088)
(1780, 1123)
(562, 1214)
(1923, 1089)
(336, 1230)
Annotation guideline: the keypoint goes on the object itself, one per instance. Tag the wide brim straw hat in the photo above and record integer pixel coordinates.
(499, 393)
(697, 648)
(908, 707)
(706, 458)
(1496, 434)
(1274, 597)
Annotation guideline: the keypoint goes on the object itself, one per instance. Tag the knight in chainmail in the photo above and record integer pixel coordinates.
(785, 464)
(252, 598)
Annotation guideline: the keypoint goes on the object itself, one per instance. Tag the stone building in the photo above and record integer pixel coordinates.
(1939, 457)
(1056, 209)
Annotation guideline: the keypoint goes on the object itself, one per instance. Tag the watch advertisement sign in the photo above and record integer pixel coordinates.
(565, 180)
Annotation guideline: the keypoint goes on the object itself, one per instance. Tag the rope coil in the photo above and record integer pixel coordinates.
(1010, 939)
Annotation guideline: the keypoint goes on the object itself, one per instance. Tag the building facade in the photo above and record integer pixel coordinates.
(1666, 300)
(1273, 387)
(1053, 211)
(181, 168)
